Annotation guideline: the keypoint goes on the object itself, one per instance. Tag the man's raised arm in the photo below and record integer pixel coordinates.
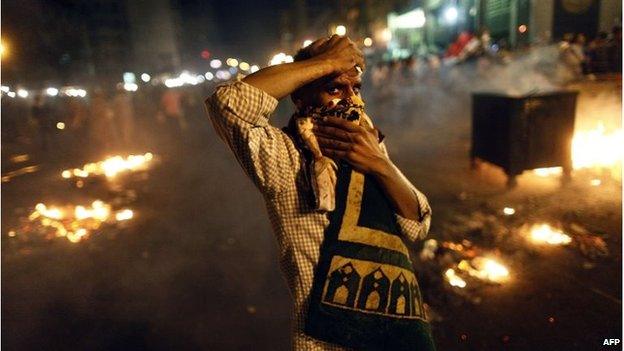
(334, 55)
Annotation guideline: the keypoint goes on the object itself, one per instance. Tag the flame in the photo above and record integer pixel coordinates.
(544, 233)
(111, 166)
(485, 269)
(547, 172)
(454, 279)
(597, 148)
(124, 215)
(76, 223)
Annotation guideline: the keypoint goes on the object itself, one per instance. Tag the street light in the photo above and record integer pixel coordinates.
(51, 91)
(451, 14)
(3, 48)
(216, 63)
(341, 30)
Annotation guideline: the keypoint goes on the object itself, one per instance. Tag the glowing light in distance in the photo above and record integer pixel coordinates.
(341, 30)
(209, 75)
(232, 62)
(450, 14)
(522, 28)
(60, 125)
(385, 35)
(413, 19)
(145, 77)
(244, 66)
(509, 211)
(306, 43)
(22, 93)
(73, 92)
(368, 42)
(254, 68)
(216, 63)
(52, 91)
(130, 87)
(280, 58)
(223, 74)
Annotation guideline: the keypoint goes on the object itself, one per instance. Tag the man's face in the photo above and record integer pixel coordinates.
(322, 91)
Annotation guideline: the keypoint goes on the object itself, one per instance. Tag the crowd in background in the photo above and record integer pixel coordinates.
(117, 120)
(602, 54)
(113, 120)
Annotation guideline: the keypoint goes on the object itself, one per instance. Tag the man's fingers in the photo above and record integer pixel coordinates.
(332, 40)
(342, 124)
(334, 153)
(333, 143)
(332, 132)
(314, 46)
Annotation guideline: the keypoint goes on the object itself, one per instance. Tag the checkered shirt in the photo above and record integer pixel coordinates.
(240, 115)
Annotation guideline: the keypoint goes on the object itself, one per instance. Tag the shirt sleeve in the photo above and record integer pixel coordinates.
(413, 229)
(240, 115)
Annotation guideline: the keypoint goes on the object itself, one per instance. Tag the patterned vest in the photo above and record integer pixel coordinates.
(365, 294)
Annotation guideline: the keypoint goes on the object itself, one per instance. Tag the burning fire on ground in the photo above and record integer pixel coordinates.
(111, 166)
(546, 234)
(75, 223)
(485, 269)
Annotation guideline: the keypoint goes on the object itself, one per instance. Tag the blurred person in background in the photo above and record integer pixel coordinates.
(326, 71)
(104, 131)
(173, 113)
(615, 49)
(42, 114)
(571, 56)
(579, 48)
(598, 53)
(123, 109)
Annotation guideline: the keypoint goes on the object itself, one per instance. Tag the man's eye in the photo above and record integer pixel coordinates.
(333, 91)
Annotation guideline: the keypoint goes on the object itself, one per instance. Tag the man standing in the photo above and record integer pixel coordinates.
(348, 270)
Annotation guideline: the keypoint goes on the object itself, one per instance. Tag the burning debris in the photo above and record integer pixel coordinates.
(485, 269)
(75, 223)
(545, 234)
(111, 167)
(461, 269)
(474, 264)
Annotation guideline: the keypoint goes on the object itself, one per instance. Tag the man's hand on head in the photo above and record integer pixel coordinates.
(358, 145)
(341, 52)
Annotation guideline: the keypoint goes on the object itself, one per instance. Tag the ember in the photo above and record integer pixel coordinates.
(111, 166)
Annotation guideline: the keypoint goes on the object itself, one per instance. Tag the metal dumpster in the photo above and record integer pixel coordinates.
(520, 133)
